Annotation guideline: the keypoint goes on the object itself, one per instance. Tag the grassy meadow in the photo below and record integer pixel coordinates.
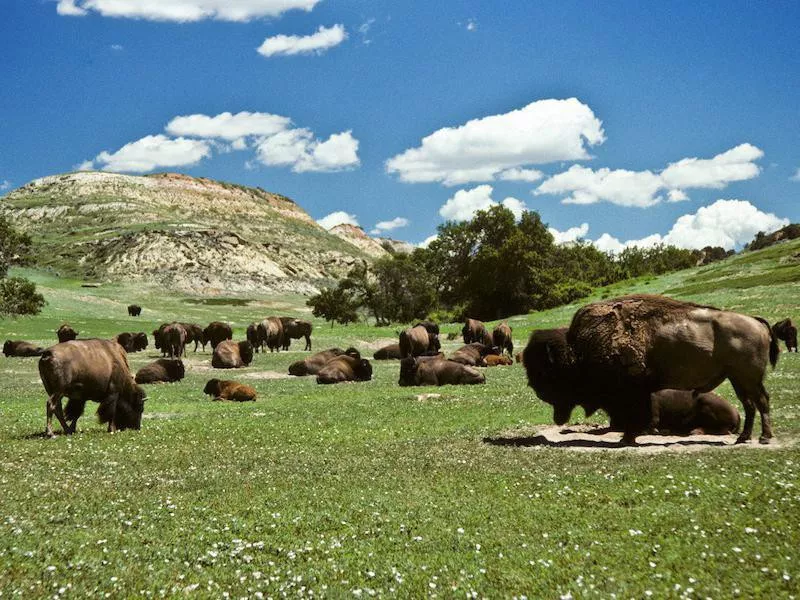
(370, 489)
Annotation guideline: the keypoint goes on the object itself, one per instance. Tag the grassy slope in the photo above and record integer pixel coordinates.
(365, 487)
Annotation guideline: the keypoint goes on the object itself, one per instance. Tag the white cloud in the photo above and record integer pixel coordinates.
(364, 28)
(298, 148)
(427, 241)
(117, 47)
(465, 203)
(471, 25)
(796, 176)
(542, 132)
(185, 10)
(228, 126)
(337, 218)
(726, 223)
(87, 165)
(570, 235)
(152, 152)
(517, 174)
(317, 43)
(395, 223)
(582, 185)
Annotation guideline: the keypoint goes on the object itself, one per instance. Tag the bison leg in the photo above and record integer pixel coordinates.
(54, 406)
(766, 421)
(749, 412)
(308, 343)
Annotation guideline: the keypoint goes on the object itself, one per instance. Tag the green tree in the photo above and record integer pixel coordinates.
(334, 304)
(18, 296)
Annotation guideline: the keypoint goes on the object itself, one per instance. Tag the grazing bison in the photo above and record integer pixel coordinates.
(173, 340)
(21, 349)
(417, 371)
(616, 353)
(474, 354)
(315, 362)
(222, 389)
(232, 355)
(501, 337)
(786, 331)
(431, 327)
(252, 336)
(94, 370)
(216, 332)
(270, 333)
(417, 341)
(66, 333)
(475, 331)
(682, 412)
(194, 333)
(134, 310)
(294, 329)
(495, 360)
(392, 351)
(132, 342)
(162, 370)
(346, 367)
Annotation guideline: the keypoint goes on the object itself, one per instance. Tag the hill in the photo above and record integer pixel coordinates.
(182, 233)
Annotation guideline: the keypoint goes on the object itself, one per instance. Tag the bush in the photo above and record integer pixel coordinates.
(18, 296)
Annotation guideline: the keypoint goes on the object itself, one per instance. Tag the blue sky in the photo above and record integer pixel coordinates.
(672, 122)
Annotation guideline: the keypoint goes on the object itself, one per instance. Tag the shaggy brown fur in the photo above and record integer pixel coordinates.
(21, 349)
(416, 341)
(216, 332)
(294, 329)
(229, 390)
(232, 355)
(416, 371)
(501, 337)
(194, 333)
(162, 370)
(345, 368)
(390, 352)
(65, 333)
(90, 370)
(315, 362)
(475, 331)
(496, 360)
(173, 340)
(270, 334)
(134, 310)
(132, 342)
(787, 332)
(474, 354)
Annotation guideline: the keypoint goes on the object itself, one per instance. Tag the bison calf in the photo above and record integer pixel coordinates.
(163, 370)
(495, 360)
(437, 372)
(234, 391)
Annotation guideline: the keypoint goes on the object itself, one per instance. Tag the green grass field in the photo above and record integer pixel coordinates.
(366, 489)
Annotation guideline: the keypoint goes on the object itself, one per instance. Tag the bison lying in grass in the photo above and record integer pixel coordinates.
(21, 349)
(162, 370)
(474, 354)
(314, 363)
(390, 352)
(346, 367)
(418, 340)
(617, 352)
(232, 355)
(94, 370)
(682, 412)
(437, 371)
(234, 391)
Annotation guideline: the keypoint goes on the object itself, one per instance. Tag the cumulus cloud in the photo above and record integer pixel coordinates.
(184, 10)
(465, 203)
(582, 185)
(726, 223)
(338, 218)
(517, 174)
(542, 132)
(796, 176)
(317, 43)
(427, 241)
(152, 152)
(228, 126)
(395, 223)
(298, 148)
(570, 235)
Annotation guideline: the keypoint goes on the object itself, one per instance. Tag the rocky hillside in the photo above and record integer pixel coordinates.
(375, 247)
(190, 234)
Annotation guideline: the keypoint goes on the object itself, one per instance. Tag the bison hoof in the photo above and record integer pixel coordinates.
(764, 440)
(742, 440)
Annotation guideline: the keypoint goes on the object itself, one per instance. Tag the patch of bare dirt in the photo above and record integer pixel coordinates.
(265, 375)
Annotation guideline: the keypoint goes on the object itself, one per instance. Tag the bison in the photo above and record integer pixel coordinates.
(315, 362)
(417, 341)
(495, 360)
(417, 371)
(270, 333)
(475, 331)
(132, 342)
(294, 329)
(173, 340)
(616, 353)
(162, 370)
(21, 349)
(501, 337)
(194, 333)
(222, 389)
(346, 367)
(94, 370)
(252, 336)
(65, 333)
(392, 351)
(474, 354)
(786, 331)
(232, 355)
(217, 332)
(134, 310)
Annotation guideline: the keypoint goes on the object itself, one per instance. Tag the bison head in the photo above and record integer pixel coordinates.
(298, 368)
(246, 352)
(354, 353)
(140, 341)
(8, 348)
(363, 370)
(176, 369)
(212, 387)
(130, 407)
(408, 371)
(549, 364)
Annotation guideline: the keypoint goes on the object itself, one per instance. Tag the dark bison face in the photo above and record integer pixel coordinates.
(212, 387)
(7, 348)
(363, 371)
(130, 408)
(548, 364)
(177, 370)
(435, 345)
(354, 353)
(246, 352)
(408, 371)
(140, 341)
(298, 368)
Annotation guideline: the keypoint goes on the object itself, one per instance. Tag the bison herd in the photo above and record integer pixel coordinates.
(649, 362)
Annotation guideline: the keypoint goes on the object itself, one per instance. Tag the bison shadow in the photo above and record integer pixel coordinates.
(525, 441)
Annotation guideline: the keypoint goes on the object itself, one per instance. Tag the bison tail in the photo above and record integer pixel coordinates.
(774, 349)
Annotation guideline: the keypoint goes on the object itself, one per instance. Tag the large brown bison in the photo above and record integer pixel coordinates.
(618, 352)
(94, 370)
(417, 341)
(474, 354)
(475, 331)
(134, 310)
(162, 370)
(132, 342)
(390, 352)
(345, 368)
(270, 333)
(232, 355)
(65, 333)
(251, 334)
(21, 349)
(682, 412)
(223, 389)
(786, 331)
(173, 340)
(501, 337)
(216, 332)
(315, 362)
(194, 333)
(294, 329)
(415, 371)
